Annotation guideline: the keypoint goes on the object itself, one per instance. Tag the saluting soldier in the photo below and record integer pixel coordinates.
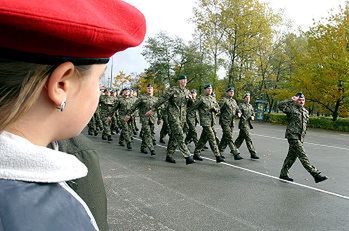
(208, 108)
(144, 104)
(123, 104)
(177, 99)
(106, 104)
(247, 115)
(297, 117)
(229, 109)
(192, 120)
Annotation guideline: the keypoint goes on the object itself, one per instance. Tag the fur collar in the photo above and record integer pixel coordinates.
(22, 160)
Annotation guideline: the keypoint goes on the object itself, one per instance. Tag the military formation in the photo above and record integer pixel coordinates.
(180, 111)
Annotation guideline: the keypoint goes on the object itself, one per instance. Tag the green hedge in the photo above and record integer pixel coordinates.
(342, 124)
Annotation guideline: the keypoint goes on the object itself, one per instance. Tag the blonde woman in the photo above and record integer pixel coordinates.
(52, 56)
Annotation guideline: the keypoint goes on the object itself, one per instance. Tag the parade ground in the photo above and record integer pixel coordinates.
(146, 193)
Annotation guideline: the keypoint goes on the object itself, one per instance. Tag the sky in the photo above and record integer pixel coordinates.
(173, 17)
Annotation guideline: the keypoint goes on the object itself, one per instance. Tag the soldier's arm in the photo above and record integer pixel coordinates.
(162, 100)
(134, 106)
(285, 106)
(196, 105)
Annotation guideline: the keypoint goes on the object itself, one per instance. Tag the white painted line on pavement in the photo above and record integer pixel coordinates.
(277, 178)
(269, 176)
(322, 145)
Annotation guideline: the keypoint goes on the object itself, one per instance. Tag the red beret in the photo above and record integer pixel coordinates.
(56, 30)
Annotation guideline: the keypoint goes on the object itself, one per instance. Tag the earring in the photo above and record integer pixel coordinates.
(62, 106)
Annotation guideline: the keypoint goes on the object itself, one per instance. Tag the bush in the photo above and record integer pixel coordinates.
(342, 124)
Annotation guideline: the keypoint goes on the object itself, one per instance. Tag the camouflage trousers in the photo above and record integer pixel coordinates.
(147, 135)
(208, 134)
(296, 150)
(244, 134)
(125, 134)
(106, 122)
(92, 126)
(165, 129)
(190, 130)
(177, 139)
(227, 139)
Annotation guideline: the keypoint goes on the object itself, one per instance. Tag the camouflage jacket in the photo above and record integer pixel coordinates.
(192, 114)
(207, 107)
(122, 105)
(229, 108)
(176, 99)
(297, 118)
(144, 104)
(246, 112)
(106, 104)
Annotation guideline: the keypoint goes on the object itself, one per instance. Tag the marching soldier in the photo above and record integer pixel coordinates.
(123, 104)
(177, 98)
(165, 129)
(245, 125)
(297, 117)
(192, 120)
(106, 105)
(207, 107)
(229, 109)
(144, 104)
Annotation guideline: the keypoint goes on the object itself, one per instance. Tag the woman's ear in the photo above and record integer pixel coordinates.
(59, 83)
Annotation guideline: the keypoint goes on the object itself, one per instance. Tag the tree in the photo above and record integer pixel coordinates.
(322, 70)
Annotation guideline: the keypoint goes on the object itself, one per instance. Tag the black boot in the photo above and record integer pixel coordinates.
(162, 141)
(237, 157)
(189, 160)
(197, 157)
(117, 130)
(95, 133)
(154, 142)
(152, 152)
(129, 147)
(109, 138)
(254, 156)
(219, 159)
(170, 159)
(144, 151)
(205, 147)
(104, 137)
(223, 156)
(121, 144)
(318, 178)
(286, 178)
(90, 133)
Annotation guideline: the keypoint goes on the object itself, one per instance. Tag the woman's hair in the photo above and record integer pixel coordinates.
(21, 84)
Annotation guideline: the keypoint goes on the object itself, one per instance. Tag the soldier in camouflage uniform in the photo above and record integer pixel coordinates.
(297, 117)
(165, 126)
(229, 109)
(208, 108)
(123, 104)
(144, 104)
(177, 98)
(106, 103)
(133, 124)
(247, 115)
(114, 124)
(95, 123)
(192, 121)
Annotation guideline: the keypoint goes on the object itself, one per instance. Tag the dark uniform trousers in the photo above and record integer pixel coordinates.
(296, 150)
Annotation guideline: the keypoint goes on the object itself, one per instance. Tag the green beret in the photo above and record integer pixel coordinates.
(182, 76)
(207, 86)
(230, 89)
(247, 94)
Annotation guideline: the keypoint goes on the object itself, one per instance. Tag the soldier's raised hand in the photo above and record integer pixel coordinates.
(239, 114)
(149, 113)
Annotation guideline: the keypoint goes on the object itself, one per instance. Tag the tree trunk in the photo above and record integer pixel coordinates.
(336, 110)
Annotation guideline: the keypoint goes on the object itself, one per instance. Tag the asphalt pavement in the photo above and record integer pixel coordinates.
(146, 193)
